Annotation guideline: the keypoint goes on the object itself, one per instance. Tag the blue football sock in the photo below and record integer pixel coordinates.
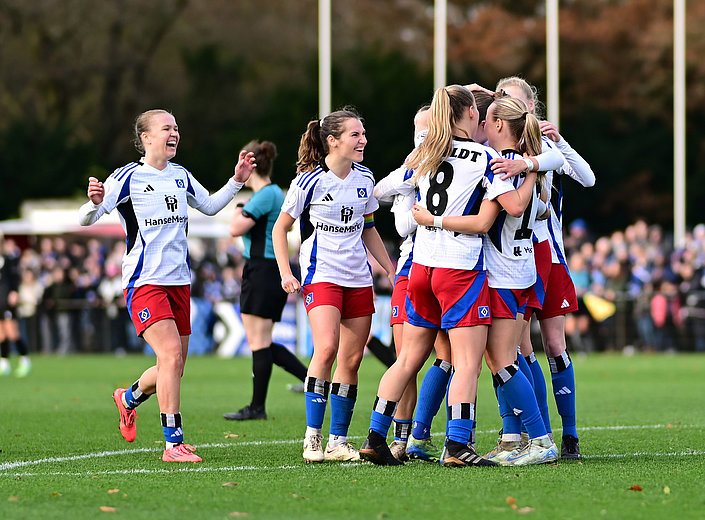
(511, 424)
(381, 418)
(134, 396)
(526, 370)
(540, 389)
(563, 379)
(342, 403)
(431, 394)
(316, 396)
(517, 391)
(461, 417)
(171, 425)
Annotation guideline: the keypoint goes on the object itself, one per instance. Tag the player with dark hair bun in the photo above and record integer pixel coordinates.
(262, 298)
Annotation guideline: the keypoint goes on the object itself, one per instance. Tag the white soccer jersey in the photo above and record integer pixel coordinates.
(578, 169)
(541, 226)
(457, 189)
(398, 182)
(331, 212)
(406, 227)
(152, 205)
(508, 245)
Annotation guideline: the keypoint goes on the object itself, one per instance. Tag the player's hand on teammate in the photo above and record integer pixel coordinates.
(96, 190)
(475, 86)
(245, 166)
(507, 168)
(422, 216)
(291, 284)
(549, 130)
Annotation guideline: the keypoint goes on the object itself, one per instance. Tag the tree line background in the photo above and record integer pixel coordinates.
(75, 73)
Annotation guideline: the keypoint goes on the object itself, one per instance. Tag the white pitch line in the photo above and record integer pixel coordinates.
(203, 469)
(19, 464)
(644, 454)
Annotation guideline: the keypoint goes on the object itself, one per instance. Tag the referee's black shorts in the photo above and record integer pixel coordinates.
(261, 293)
(7, 311)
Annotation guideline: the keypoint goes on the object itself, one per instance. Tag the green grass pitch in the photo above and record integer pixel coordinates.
(641, 421)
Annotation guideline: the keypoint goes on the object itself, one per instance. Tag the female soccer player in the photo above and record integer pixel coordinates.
(262, 299)
(396, 188)
(447, 282)
(151, 197)
(554, 284)
(511, 273)
(332, 197)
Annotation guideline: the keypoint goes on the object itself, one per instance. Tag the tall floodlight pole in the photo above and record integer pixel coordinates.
(678, 123)
(552, 63)
(439, 44)
(324, 82)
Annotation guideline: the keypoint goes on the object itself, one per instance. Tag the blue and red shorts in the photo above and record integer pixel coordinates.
(352, 302)
(439, 297)
(149, 304)
(398, 300)
(507, 303)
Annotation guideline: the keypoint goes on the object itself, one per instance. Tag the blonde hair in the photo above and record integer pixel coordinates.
(142, 125)
(447, 108)
(529, 91)
(522, 124)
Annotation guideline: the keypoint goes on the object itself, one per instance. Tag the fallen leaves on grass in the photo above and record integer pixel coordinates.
(107, 509)
(294, 495)
(55, 494)
(13, 498)
(669, 426)
(111, 491)
(520, 510)
(229, 484)
(636, 487)
(238, 514)
(667, 490)
(232, 436)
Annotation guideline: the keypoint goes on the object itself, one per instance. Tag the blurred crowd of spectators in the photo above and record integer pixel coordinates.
(656, 292)
(650, 296)
(71, 298)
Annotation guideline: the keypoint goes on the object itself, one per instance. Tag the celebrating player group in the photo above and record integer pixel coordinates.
(478, 202)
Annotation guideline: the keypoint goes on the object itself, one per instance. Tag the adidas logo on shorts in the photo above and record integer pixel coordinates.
(565, 304)
(564, 391)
